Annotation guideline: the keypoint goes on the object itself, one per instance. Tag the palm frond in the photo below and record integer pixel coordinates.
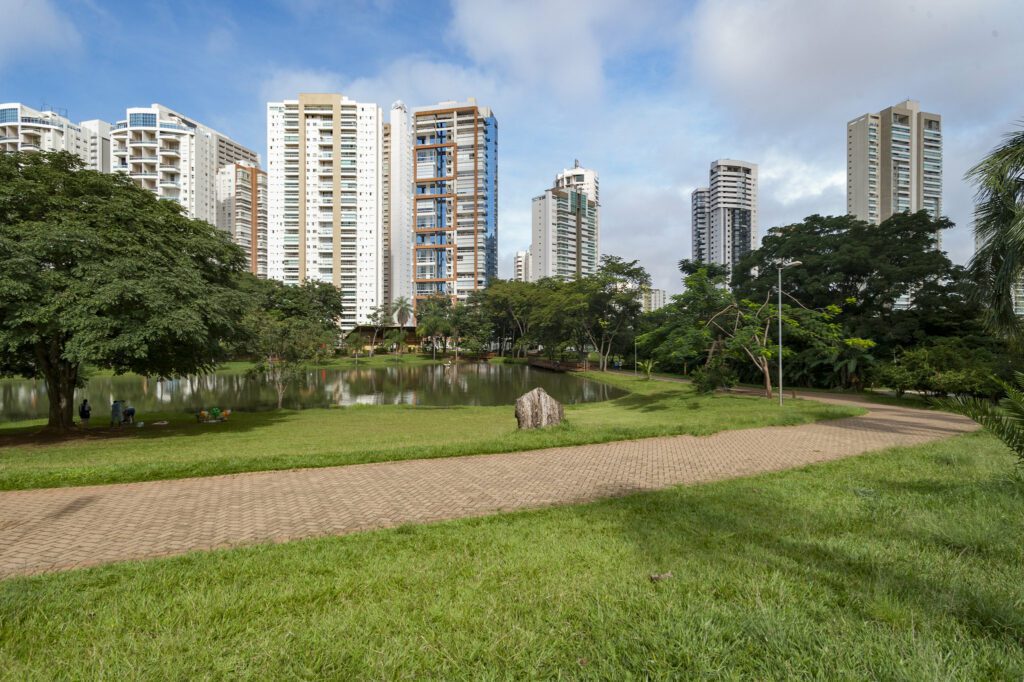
(1004, 420)
(998, 263)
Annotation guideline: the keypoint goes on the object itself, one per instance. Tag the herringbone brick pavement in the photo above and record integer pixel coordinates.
(62, 528)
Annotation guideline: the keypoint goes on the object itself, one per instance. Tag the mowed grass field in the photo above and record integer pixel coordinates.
(901, 565)
(259, 441)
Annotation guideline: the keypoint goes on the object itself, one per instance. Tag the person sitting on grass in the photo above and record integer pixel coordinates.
(84, 412)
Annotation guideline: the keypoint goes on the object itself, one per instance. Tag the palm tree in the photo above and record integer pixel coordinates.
(998, 263)
(1004, 420)
(402, 310)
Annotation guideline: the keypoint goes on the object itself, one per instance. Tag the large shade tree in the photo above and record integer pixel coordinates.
(866, 270)
(96, 271)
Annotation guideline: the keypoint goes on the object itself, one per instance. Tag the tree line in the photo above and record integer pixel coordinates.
(97, 272)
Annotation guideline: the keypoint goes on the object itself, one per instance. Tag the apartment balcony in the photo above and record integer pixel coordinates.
(170, 151)
(142, 143)
(30, 146)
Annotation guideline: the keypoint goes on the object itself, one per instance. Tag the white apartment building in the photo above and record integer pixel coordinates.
(700, 200)
(455, 152)
(324, 160)
(652, 299)
(894, 163)
(727, 229)
(565, 226)
(25, 129)
(242, 211)
(401, 239)
(522, 267)
(174, 157)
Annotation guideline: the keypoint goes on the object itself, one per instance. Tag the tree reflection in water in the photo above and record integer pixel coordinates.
(432, 385)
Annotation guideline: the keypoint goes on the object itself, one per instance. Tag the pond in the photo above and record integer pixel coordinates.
(429, 385)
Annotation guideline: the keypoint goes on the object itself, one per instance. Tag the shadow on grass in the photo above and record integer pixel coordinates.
(653, 402)
(181, 424)
(758, 527)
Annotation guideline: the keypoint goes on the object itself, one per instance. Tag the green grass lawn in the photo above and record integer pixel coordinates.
(278, 440)
(905, 564)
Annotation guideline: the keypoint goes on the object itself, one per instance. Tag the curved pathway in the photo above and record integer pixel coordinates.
(62, 528)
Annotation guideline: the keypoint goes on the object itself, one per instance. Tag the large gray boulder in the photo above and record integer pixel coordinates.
(537, 409)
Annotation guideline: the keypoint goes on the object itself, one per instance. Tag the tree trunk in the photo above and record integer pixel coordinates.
(766, 370)
(280, 395)
(61, 377)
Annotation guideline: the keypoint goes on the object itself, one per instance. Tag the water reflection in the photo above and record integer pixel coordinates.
(434, 385)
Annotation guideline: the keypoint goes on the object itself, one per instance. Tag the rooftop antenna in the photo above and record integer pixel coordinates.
(577, 163)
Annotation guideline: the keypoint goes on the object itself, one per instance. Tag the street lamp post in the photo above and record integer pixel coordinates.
(781, 267)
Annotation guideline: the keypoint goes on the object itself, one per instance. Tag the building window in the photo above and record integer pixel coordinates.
(148, 120)
(8, 115)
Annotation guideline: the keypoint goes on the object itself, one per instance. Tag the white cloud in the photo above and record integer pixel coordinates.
(561, 46)
(788, 75)
(791, 179)
(30, 27)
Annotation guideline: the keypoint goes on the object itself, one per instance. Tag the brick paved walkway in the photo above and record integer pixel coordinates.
(61, 528)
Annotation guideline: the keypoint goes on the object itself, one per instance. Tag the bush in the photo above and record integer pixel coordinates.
(710, 377)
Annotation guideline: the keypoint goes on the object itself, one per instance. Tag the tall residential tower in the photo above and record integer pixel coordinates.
(724, 214)
(565, 224)
(324, 160)
(894, 163)
(455, 156)
(242, 211)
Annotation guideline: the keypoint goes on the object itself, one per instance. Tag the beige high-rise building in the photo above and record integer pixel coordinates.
(324, 159)
(242, 211)
(894, 163)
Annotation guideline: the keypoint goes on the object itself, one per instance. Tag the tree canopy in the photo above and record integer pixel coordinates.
(97, 271)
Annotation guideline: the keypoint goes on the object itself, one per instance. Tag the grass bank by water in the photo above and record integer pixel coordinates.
(259, 441)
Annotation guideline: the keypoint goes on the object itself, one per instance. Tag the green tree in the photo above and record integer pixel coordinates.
(286, 345)
(677, 336)
(356, 341)
(96, 271)
(865, 269)
(380, 318)
(998, 263)
(434, 320)
(396, 338)
(609, 305)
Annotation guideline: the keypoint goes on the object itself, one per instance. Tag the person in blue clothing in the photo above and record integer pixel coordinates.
(129, 415)
(116, 413)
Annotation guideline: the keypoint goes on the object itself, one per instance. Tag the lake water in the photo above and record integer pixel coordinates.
(430, 385)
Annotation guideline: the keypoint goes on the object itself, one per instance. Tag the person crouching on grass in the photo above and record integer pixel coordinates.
(84, 412)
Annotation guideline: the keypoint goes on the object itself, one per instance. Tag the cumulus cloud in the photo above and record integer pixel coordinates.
(558, 45)
(788, 75)
(29, 27)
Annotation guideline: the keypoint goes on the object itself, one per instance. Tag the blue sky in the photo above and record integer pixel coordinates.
(646, 92)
